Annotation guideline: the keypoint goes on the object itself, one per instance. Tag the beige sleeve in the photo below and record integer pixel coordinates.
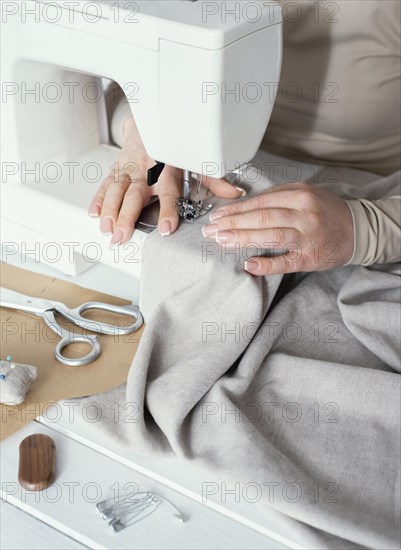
(377, 231)
(118, 109)
(377, 224)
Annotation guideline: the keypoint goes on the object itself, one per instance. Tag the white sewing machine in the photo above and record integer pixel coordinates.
(201, 79)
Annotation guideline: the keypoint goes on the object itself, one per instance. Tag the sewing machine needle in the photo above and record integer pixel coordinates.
(198, 186)
(187, 184)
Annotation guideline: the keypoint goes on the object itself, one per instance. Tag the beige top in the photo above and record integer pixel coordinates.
(339, 95)
(339, 103)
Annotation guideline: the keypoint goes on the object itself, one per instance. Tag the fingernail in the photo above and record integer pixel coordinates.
(225, 236)
(95, 211)
(210, 230)
(217, 215)
(106, 225)
(165, 228)
(117, 238)
(252, 265)
(242, 191)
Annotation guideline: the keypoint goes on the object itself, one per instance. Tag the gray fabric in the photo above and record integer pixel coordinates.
(319, 343)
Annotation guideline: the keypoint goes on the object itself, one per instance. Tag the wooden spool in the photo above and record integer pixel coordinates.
(37, 460)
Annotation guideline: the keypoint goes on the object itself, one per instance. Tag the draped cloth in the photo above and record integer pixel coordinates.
(289, 384)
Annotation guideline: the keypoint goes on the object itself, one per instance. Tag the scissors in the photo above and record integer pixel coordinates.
(45, 309)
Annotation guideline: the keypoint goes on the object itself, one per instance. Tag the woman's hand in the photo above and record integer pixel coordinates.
(124, 193)
(314, 226)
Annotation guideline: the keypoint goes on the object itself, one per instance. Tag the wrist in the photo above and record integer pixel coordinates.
(128, 127)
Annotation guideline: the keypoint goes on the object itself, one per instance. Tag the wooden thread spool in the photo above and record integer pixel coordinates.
(37, 460)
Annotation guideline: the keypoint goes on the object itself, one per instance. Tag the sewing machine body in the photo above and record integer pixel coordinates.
(190, 74)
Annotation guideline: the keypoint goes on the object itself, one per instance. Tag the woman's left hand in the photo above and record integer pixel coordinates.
(312, 226)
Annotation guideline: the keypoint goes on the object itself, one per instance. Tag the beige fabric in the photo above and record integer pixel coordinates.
(339, 103)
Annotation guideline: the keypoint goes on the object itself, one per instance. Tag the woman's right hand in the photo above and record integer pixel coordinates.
(124, 193)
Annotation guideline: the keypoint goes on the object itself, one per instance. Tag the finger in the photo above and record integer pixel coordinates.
(273, 238)
(169, 191)
(112, 202)
(281, 196)
(256, 219)
(95, 207)
(278, 265)
(222, 188)
(135, 199)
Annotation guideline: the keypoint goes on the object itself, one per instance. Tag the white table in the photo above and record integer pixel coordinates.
(65, 516)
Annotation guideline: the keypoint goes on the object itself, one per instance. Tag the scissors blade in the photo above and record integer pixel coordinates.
(15, 300)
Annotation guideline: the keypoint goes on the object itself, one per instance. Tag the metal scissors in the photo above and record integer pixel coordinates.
(45, 309)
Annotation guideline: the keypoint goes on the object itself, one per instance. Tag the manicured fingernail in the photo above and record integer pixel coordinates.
(252, 265)
(106, 225)
(210, 230)
(165, 228)
(95, 211)
(117, 238)
(242, 191)
(217, 215)
(225, 236)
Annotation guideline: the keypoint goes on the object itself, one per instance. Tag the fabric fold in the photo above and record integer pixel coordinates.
(297, 397)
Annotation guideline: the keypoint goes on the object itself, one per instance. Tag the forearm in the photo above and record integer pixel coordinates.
(377, 224)
(377, 231)
(118, 110)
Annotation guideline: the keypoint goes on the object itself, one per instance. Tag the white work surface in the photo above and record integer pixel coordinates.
(65, 515)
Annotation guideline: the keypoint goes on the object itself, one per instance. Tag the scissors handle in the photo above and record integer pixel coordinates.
(68, 339)
(75, 316)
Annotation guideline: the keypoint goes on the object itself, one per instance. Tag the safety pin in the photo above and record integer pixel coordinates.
(107, 513)
(103, 505)
(137, 508)
(127, 520)
(180, 516)
(124, 513)
(118, 524)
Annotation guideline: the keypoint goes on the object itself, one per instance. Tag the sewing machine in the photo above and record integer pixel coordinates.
(201, 79)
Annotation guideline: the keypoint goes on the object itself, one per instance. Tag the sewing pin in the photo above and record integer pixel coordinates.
(11, 365)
